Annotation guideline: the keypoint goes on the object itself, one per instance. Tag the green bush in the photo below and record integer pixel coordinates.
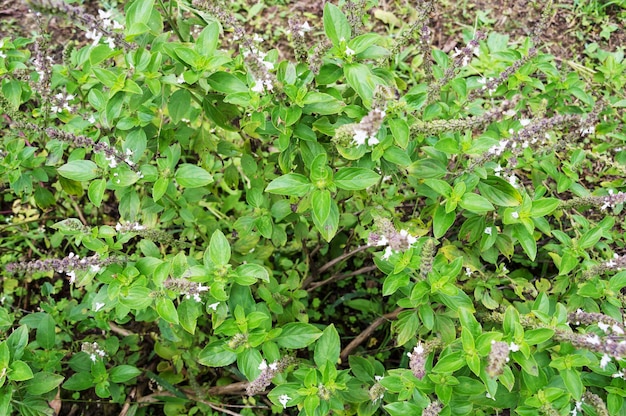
(364, 224)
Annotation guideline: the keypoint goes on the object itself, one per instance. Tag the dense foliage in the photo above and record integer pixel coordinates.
(362, 224)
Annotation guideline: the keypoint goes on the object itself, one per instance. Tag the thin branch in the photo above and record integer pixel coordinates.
(340, 258)
(337, 277)
(368, 332)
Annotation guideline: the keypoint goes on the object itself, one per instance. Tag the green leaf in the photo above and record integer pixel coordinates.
(573, 382)
(336, 24)
(393, 282)
(188, 313)
(46, 334)
(590, 238)
(43, 382)
(219, 249)
(321, 103)
(475, 203)
(400, 131)
(123, 373)
(248, 274)
(79, 170)
(178, 105)
(215, 355)
(138, 16)
(297, 335)
(499, 192)
(138, 297)
(543, 207)
(166, 310)
(442, 221)
(361, 79)
(226, 83)
(327, 347)
(354, 179)
(450, 362)
(538, 335)
(526, 240)
(325, 213)
(20, 371)
(192, 176)
(79, 382)
(207, 40)
(96, 191)
(291, 184)
(159, 188)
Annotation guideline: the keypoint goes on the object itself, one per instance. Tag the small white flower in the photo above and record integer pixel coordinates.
(214, 306)
(388, 252)
(274, 366)
(372, 141)
(110, 41)
(180, 79)
(257, 87)
(98, 306)
(515, 214)
(513, 347)
(360, 136)
(378, 378)
(468, 272)
(524, 122)
(349, 52)
(604, 327)
(488, 230)
(263, 365)
(92, 357)
(283, 399)
(604, 361)
(72, 276)
(617, 329)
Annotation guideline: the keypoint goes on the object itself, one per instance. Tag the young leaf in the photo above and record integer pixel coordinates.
(336, 24)
(325, 213)
(327, 347)
(219, 249)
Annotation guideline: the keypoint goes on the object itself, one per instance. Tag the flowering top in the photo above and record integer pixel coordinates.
(394, 240)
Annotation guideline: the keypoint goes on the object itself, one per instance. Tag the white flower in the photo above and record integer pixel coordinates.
(273, 366)
(349, 52)
(604, 327)
(468, 272)
(360, 136)
(283, 399)
(72, 276)
(515, 214)
(110, 41)
(388, 252)
(213, 306)
(258, 87)
(488, 230)
(378, 378)
(180, 79)
(513, 347)
(524, 122)
(604, 361)
(98, 306)
(617, 329)
(263, 365)
(372, 141)
(93, 357)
